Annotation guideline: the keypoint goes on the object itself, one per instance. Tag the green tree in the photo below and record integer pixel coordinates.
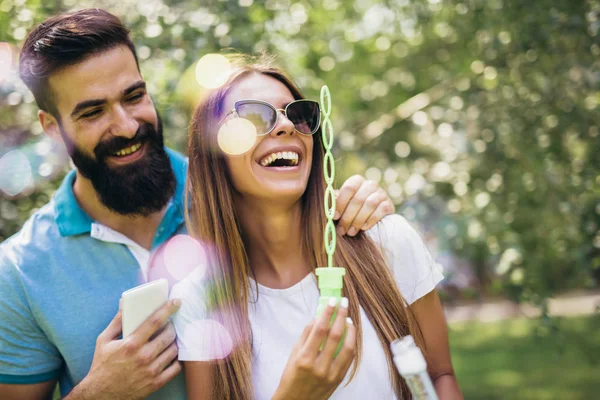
(478, 116)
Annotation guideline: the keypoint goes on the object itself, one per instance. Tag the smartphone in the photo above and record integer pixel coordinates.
(141, 302)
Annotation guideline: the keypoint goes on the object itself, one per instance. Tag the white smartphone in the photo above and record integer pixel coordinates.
(141, 302)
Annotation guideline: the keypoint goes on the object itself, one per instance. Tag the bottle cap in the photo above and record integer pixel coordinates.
(407, 356)
(400, 346)
(331, 278)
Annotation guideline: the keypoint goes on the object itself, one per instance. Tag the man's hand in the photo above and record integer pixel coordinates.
(360, 204)
(136, 366)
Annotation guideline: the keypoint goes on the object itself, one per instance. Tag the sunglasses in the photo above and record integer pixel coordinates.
(304, 114)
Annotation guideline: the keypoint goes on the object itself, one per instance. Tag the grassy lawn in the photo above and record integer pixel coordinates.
(507, 360)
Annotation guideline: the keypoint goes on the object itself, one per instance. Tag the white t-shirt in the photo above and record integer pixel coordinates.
(278, 317)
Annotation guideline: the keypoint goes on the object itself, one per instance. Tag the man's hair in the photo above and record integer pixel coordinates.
(65, 40)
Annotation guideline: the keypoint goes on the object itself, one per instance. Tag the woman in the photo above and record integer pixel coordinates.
(262, 212)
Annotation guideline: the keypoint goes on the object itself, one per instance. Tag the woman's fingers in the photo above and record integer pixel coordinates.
(344, 359)
(320, 329)
(335, 336)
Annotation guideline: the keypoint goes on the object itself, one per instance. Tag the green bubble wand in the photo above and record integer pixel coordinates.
(330, 277)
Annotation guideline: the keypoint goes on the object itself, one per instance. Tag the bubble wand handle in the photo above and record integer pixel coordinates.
(329, 171)
(330, 277)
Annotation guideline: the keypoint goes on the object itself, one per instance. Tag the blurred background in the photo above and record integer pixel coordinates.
(479, 117)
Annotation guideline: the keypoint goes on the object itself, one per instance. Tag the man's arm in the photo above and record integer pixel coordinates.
(35, 391)
(130, 368)
(29, 362)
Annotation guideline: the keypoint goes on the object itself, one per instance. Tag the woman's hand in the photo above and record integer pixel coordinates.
(313, 374)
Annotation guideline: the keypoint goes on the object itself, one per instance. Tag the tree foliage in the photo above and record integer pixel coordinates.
(480, 117)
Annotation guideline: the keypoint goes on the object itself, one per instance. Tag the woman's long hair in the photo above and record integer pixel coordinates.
(212, 218)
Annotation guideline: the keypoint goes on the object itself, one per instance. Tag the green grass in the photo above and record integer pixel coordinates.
(510, 360)
(517, 360)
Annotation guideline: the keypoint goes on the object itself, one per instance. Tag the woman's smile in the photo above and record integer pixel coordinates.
(281, 159)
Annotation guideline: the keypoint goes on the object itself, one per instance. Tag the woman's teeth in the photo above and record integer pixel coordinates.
(128, 150)
(283, 155)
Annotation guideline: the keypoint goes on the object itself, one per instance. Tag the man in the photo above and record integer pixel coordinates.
(62, 275)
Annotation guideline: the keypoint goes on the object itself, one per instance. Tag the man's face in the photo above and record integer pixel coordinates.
(113, 133)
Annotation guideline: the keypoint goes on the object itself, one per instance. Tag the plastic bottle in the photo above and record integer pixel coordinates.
(412, 366)
(331, 282)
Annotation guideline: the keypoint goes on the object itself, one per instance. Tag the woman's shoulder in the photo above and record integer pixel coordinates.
(191, 291)
(392, 231)
(414, 269)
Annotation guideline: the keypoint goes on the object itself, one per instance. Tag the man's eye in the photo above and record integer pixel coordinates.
(90, 114)
(135, 97)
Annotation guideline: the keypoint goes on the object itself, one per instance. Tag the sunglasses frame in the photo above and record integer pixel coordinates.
(276, 110)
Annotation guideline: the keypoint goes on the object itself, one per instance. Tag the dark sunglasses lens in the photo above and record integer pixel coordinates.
(305, 116)
(262, 116)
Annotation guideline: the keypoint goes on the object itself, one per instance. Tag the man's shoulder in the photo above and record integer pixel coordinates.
(36, 236)
(176, 157)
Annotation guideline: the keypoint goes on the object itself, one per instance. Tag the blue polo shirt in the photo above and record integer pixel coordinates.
(61, 278)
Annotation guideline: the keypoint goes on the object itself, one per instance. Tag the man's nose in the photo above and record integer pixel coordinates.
(123, 124)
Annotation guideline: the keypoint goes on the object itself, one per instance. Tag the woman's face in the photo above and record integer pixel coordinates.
(254, 174)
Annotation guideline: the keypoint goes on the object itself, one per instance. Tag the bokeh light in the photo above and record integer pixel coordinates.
(180, 257)
(5, 60)
(212, 70)
(16, 173)
(209, 339)
(236, 136)
(183, 254)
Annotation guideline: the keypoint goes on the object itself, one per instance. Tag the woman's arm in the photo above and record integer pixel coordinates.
(430, 315)
(199, 379)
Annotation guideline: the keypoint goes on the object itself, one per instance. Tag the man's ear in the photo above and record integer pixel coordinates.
(50, 125)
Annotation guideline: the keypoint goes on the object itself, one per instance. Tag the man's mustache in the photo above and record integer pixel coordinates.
(108, 147)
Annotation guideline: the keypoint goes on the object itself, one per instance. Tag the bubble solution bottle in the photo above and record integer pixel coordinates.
(412, 366)
(331, 281)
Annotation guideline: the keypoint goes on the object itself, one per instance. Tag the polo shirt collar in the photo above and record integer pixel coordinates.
(72, 220)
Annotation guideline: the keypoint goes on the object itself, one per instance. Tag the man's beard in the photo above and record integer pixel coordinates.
(139, 188)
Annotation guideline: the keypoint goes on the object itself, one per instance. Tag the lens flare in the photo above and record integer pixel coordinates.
(236, 136)
(16, 173)
(5, 60)
(209, 339)
(212, 70)
(183, 254)
(180, 257)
